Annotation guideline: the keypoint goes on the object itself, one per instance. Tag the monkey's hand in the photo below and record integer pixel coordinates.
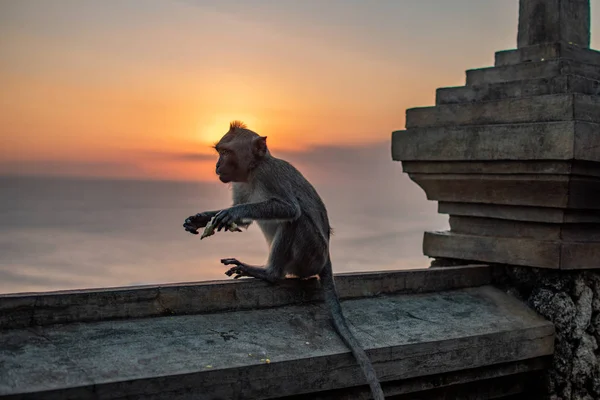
(210, 229)
(238, 271)
(225, 218)
(195, 222)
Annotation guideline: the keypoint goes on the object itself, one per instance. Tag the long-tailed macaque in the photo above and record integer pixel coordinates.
(291, 216)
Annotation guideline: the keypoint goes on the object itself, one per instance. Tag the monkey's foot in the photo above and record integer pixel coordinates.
(243, 269)
(239, 270)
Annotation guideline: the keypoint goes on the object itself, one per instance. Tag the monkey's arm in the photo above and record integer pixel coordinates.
(272, 209)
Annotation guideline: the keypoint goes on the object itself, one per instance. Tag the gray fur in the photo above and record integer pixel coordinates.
(294, 220)
(292, 217)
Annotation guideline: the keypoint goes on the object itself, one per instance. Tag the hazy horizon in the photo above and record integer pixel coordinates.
(68, 233)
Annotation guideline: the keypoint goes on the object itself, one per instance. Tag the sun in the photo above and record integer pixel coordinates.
(212, 129)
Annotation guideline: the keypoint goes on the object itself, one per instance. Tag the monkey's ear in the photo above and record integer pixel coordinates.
(259, 146)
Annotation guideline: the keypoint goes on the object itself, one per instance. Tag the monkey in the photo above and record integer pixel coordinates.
(291, 216)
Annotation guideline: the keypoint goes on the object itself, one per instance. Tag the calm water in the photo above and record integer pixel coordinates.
(67, 233)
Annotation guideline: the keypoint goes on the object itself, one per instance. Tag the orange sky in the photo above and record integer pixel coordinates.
(110, 89)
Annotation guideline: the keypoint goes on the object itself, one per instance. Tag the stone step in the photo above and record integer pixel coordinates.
(480, 226)
(532, 70)
(547, 51)
(274, 352)
(534, 190)
(548, 108)
(520, 213)
(504, 167)
(513, 251)
(513, 381)
(564, 140)
(524, 88)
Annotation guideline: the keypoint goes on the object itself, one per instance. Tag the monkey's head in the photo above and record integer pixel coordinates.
(240, 151)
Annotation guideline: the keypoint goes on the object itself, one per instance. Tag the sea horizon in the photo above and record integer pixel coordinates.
(60, 233)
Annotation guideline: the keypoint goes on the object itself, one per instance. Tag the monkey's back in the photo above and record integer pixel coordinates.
(306, 196)
(308, 235)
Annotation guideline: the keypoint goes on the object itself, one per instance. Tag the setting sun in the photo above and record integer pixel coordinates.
(214, 127)
(124, 91)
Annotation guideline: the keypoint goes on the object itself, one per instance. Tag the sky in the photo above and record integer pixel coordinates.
(120, 90)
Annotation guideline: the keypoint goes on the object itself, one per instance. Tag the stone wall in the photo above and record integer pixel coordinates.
(432, 334)
(571, 300)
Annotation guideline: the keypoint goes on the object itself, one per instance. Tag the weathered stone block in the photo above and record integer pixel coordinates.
(500, 167)
(31, 309)
(479, 226)
(549, 108)
(519, 142)
(580, 255)
(506, 250)
(553, 191)
(525, 88)
(532, 70)
(547, 51)
(549, 21)
(557, 254)
(520, 213)
(224, 354)
(525, 141)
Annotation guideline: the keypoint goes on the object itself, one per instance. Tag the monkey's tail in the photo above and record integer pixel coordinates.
(339, 322)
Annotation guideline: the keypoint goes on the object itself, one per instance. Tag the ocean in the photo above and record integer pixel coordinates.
(67, 233)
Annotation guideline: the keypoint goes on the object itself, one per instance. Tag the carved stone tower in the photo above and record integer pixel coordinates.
(514, 155)
(514, 158)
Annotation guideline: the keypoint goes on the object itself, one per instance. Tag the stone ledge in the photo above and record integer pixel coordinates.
(548, 108)
(491, 382)
(505, 167)
(562, 140)
(519, 213)
(520, 189)
(223, 355)
(513, 251)
(495, 227)
(30, 309)
(531, 70)
(559, 254)
(547, 51)
(515, 89)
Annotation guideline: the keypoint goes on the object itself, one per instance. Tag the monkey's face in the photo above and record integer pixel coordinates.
(239, 155)
(228, 166)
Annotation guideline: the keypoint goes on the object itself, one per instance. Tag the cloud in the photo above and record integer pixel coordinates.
(321, 156)
(330, 164)
(347, 164)
(71, 168)
(333, 154)
(181, 156)
(194, 157)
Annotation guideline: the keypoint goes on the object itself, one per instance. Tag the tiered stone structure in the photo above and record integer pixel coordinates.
(514, 155)
(514, 158)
